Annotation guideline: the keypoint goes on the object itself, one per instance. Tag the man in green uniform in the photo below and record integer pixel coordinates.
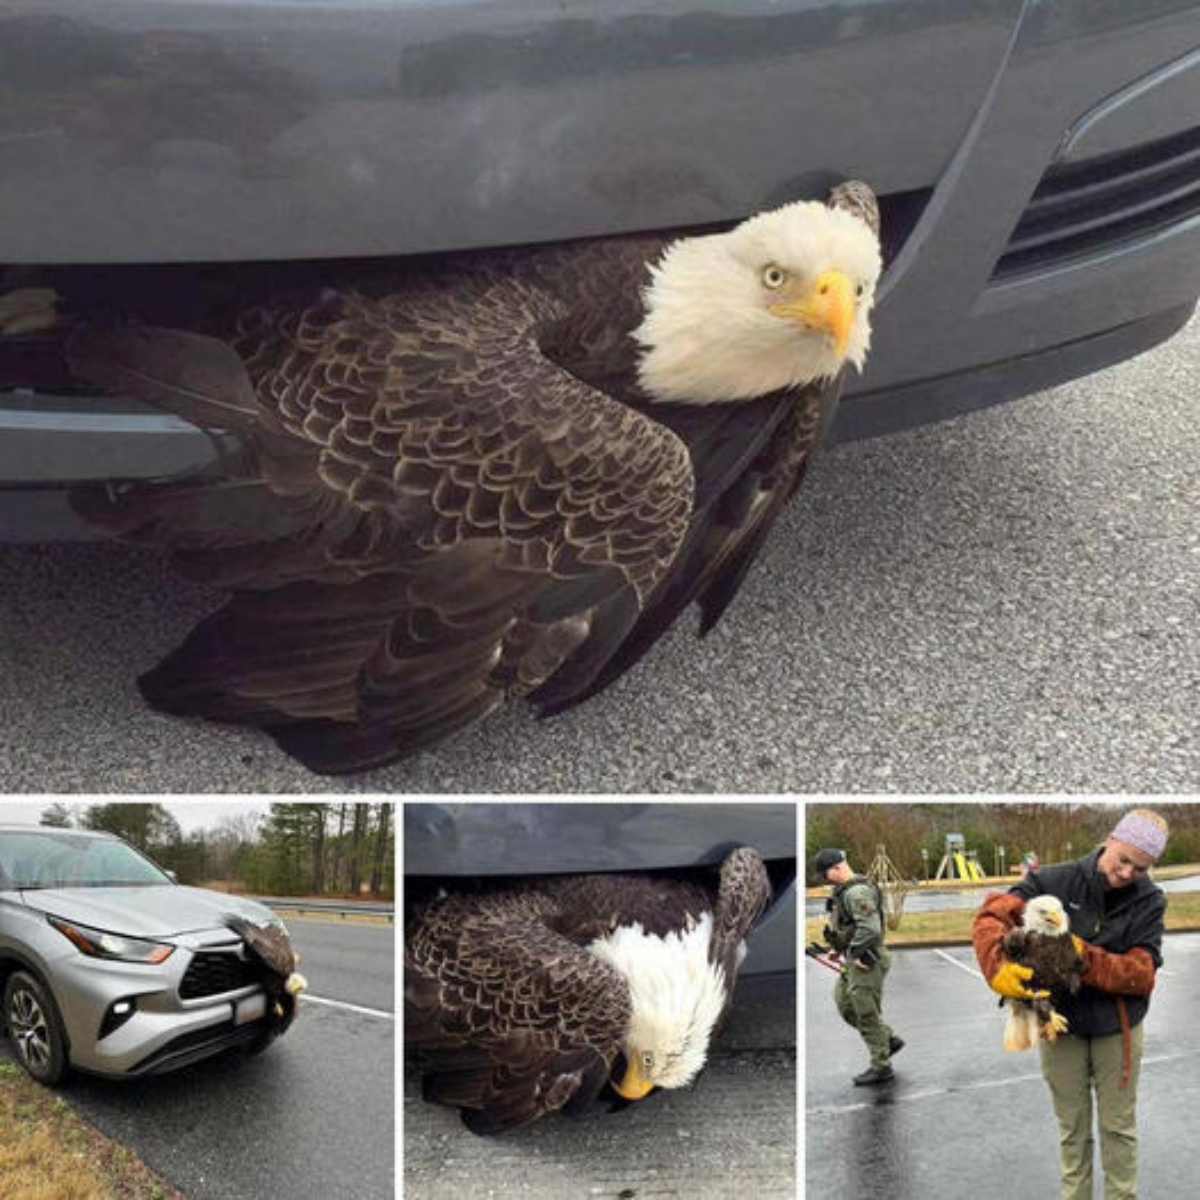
(855, 931)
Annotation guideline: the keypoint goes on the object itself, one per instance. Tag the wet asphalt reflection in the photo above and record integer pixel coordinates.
(964, 1117)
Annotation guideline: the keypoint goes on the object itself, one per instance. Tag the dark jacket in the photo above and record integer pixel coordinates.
(855, 911)
(1134, 920)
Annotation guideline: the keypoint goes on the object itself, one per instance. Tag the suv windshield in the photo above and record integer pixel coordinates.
(48, 860)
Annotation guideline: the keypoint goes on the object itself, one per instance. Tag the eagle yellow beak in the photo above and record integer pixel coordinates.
(635, 1085)
(828, 306)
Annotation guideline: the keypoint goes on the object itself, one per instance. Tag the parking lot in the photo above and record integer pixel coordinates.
(965, 1117)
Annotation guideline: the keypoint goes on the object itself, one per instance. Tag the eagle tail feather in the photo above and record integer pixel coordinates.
(1021, 1027)
(199, 378)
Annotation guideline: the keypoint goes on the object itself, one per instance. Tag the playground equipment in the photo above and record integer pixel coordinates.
(958, 862)
(892, 886)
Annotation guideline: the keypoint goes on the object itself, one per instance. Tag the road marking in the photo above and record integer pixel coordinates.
(358, 1008)
(929, 1093)
(961, 966)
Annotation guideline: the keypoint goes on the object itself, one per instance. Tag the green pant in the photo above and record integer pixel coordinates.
(859, 999)
(1074, 1068)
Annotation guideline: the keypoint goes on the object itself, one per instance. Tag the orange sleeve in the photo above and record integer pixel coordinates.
(1128, 974)
(999, 913)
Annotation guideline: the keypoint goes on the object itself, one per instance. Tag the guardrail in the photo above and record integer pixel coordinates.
(341, 908)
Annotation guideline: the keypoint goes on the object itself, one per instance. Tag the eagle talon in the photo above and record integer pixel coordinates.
(1055, 1024)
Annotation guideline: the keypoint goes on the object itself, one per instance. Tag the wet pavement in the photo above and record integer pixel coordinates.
(966, 1118)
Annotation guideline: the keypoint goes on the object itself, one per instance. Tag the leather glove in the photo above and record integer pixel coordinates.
(1010, 981)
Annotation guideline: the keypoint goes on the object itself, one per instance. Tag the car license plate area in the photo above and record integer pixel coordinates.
(250, 1009)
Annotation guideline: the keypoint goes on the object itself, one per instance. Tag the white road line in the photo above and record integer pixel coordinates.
(961, 966)
(837, 1110)
(358, 1008)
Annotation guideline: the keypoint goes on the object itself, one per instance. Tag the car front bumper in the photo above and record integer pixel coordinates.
(165, 1031)
(1041, 203)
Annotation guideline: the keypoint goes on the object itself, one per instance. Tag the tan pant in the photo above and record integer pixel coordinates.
(1074, 1068)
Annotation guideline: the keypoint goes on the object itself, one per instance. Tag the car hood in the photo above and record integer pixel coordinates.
(145, 911)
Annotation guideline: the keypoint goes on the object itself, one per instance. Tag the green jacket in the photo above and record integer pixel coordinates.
(855, 910)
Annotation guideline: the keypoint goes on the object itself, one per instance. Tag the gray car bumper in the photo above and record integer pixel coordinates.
(1039, 167)
(164, 1031)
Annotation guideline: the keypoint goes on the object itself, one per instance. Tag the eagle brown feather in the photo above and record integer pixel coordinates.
(511, 1017)
(1057, 968)
(449, 489)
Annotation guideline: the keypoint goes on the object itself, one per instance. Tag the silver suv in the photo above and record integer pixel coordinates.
(108, 965)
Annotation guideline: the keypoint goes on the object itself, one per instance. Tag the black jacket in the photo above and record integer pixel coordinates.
(1134, 919)
(856, 921)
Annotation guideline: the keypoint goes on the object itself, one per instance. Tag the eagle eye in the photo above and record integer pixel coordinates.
(773, 277)
(647, 1060)
(858, 291)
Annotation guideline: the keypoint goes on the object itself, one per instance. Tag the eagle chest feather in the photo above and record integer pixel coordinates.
(1056, 965)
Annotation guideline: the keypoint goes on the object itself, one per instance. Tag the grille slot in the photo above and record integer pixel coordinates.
(212, 972)
(1081, 208)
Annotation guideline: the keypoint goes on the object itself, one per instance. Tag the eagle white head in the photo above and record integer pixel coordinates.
(1045, 914)
(783, 299)
(676, 994)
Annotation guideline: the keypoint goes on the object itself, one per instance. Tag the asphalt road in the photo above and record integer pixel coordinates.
(1005, 602)
(732, 1133)
(311, 1118)
(965, 1117)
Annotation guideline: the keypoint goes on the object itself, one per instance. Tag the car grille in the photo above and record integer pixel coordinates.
(211, 973)
(1081, 208)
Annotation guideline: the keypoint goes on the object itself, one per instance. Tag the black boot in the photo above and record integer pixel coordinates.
(874, 1075)
(895, 1044)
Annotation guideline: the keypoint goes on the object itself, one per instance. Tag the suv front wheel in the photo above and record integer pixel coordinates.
(34, 1028)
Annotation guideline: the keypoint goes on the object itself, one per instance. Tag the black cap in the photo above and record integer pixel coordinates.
(826, 859)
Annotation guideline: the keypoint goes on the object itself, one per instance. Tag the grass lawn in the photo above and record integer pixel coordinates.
(954, 925)
(47, 1152)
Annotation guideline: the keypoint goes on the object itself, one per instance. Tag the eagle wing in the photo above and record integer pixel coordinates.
(749, 459)
(431, 512)
(510, 1018)
(743, 893)
(1056, 965)
(267, 943)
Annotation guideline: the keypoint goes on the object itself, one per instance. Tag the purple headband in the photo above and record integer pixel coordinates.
(1147, 835)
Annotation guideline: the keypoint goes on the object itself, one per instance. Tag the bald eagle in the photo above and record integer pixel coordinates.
(499, 474)
(270, 946)
(1044, 943)
(532, 999)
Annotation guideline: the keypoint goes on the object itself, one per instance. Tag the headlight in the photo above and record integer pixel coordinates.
(97, 944)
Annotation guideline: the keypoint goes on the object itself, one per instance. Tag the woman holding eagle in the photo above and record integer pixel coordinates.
(1115, 918)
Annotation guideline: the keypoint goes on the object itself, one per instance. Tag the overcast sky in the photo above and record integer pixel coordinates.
(191, 814)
